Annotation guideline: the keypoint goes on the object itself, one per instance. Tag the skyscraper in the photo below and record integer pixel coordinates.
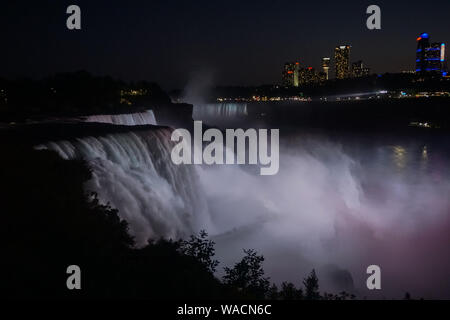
(342, 61)
(423, 43)
(308, 75)
(443, 61)
(359, 70)
(434, 57)
(430, 58)
(326, 67)
(290, 74)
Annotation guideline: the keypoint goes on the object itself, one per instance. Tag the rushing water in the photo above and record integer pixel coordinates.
(134, 173)
(132, 119)
(220, 113)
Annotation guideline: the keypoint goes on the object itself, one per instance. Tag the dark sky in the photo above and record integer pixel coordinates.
(237, 42)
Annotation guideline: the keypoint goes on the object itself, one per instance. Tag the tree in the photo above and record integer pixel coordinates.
(248, 276)
(290, 292)
(273, 293)
(200, 248)
(311, 284)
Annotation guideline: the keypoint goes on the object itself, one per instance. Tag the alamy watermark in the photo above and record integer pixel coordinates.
(73, 282)
(374, 20)
(73, 21)
(374, 280)
(234, 151)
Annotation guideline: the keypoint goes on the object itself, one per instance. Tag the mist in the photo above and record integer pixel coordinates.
(327, 210)
(198, 87)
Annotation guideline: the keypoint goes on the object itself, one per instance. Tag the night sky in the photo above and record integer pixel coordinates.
(237, 42)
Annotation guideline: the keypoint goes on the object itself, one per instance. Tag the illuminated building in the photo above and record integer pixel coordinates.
(443, 61)
(430, 58)
(443, 64)
(326, 67)
(290, 74)
(423, 42)
(322, 77)
(342, 61)
(433, 58)
(308, 75)
(133, 92)
(358, 70)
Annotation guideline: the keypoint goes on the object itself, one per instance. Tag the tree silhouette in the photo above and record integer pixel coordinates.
(248, 275)
(273, 293)
(311, 284)
(290, 292)
(200, 248)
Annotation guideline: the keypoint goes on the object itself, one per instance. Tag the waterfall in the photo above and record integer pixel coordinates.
(132, 119)
(219, 110)
(133, 172)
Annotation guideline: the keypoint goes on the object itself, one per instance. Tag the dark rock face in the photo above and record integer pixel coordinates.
(177, 115)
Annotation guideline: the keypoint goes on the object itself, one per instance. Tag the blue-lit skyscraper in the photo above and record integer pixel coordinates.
(430, 57)
(423, 42)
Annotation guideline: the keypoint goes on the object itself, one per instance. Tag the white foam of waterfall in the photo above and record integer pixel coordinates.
(134, 173)
(219, 111)
(131, 119)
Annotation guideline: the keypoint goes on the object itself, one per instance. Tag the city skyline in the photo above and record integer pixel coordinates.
(431, 58)
(227, 43)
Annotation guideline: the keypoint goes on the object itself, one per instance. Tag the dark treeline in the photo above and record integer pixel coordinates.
(49, 223)
(76, 93)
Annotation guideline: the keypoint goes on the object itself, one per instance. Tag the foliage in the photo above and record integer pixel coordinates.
(75, 93)
(311, 284)
(290, 292)
(248, 275)
(201, 249)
